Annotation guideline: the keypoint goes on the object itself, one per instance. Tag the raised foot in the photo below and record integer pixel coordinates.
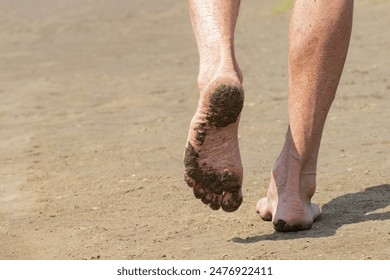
(212, 158)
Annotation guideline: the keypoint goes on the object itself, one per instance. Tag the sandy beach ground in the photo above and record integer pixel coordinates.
(96, 98)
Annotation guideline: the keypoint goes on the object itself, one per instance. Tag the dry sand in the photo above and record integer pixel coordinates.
(96, 99)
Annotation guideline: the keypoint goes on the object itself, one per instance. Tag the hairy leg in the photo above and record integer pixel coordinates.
(213, 23)
(318, 43)
(212, 160)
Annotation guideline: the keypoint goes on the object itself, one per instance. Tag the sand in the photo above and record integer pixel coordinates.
(96, 99)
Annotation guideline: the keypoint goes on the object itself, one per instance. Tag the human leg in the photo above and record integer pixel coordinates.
(212, 158)
(318, 43)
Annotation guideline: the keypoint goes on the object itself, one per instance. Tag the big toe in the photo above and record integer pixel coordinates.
(231, 201)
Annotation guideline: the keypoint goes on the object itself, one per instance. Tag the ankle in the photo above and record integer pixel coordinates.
(291, 173)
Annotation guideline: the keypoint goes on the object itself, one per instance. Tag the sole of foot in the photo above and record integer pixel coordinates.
(212, 159)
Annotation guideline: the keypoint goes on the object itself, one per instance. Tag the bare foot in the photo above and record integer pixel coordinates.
(212, 157)
(288, 203)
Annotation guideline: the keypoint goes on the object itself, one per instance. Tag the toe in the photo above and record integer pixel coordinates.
(207, 198)
(262, 208)
(215, 203)
(231, 201)
(190, 182)
(199, 192)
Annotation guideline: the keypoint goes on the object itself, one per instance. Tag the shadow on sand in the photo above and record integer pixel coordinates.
(346, 209)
